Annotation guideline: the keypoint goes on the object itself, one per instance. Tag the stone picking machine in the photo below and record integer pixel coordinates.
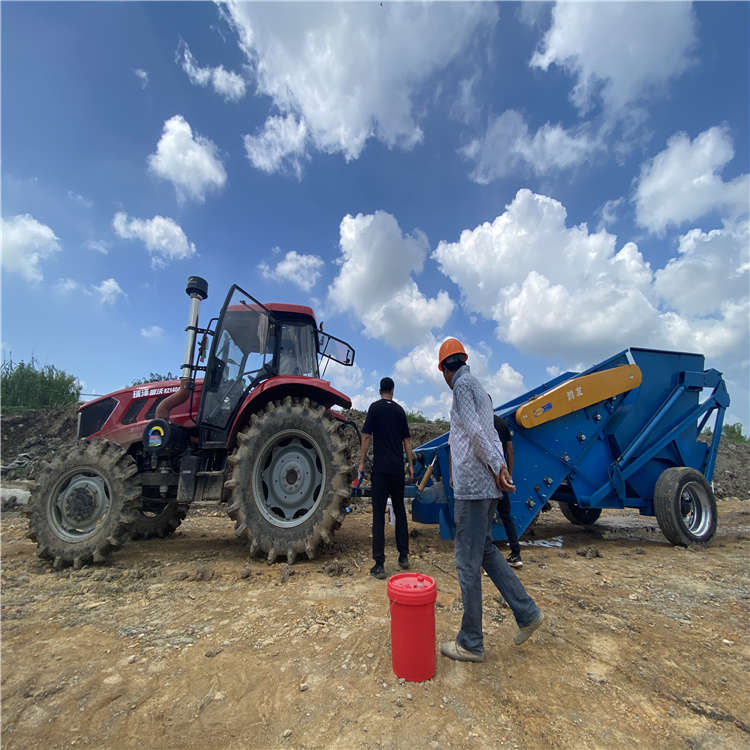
(256, 432)
(623, 434)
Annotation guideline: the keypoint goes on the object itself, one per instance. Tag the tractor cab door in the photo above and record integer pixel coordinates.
(242, 354)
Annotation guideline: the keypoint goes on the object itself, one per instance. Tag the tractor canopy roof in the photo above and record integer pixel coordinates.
(279, 307)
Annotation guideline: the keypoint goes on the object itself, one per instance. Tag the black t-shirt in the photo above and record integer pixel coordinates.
(386, 422)
(503, 431)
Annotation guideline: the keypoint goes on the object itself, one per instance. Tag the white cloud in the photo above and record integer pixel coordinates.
(67, 286)
(569, 295)
(350, 72)
(375, 281)
(80, 199)
(296, 268)
(618, 51)
(26, 243)
(227, 84)
(142, 76)
(507, 145)
(108, 291)
(608, 213)
(280, 145)
(152, 332)
(98, 246)
(465, 107)
(682, 183)
(420, 366)
(436, 407)
(163, 237)
(190, 164)
(710, 269)
(346, 379)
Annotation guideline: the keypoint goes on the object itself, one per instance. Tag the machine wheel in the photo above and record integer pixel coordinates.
(82, 507)
(289, 480)
(685, 506)
(157, 519)
(578, 515)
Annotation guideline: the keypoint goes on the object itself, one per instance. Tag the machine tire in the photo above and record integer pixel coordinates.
(163, 523)
(685, 506)
(578, 515)
(289, 480)
(82, 507)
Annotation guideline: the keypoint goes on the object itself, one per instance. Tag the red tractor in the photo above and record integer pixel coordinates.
(257, 432)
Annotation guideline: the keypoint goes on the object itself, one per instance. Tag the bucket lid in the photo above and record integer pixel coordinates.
(412, 588)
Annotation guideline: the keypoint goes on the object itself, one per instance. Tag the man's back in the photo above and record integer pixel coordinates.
(386, 422)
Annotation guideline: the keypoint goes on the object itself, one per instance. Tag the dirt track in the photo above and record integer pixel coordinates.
(185, 643)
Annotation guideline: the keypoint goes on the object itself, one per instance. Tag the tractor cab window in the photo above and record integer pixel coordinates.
(297, 349)
(240, 359)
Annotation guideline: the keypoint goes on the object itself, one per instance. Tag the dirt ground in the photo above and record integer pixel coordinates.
(186, 643)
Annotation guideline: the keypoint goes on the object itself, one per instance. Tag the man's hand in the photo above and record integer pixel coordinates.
(361, 467)
(504, 481)
(411, 473)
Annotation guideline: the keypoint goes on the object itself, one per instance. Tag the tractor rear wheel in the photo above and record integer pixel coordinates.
(82, 507)
(685, 506)
(289, 480)
(157, 519)
(578, 515)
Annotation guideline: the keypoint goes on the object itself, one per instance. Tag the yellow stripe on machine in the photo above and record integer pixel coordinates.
(577, 393)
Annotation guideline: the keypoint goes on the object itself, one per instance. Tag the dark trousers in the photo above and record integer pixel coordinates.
(503, 510)
(384, 485)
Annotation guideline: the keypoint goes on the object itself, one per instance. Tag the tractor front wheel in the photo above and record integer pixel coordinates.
(685, 506)
(157, 518)
(82, 507)
(289, 480)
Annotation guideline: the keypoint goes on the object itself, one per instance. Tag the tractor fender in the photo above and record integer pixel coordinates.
(278, 388)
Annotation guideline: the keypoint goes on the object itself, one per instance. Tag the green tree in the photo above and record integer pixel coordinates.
(29, 386)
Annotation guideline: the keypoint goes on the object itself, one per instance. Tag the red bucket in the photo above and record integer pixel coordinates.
(412, 597)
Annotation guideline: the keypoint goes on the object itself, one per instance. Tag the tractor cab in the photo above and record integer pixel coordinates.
(253, 343)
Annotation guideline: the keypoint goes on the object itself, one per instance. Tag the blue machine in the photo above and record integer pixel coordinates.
(633, 449)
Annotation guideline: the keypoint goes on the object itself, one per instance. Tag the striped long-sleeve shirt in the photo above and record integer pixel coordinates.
(474, 443)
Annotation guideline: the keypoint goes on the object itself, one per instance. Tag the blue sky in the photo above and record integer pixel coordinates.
(550, 183)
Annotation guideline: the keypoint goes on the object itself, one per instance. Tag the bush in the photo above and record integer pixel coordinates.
(29, 386)
(733, 433)
(415, 416)
(730, 432)
(156, 377)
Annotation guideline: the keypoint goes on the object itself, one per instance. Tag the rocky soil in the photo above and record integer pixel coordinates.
(187, 643)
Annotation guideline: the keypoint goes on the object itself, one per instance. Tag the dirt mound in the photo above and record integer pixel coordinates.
(30, 437)
(732, 473)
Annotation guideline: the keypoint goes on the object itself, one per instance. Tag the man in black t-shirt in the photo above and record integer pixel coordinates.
(503, 505)
(386, 424)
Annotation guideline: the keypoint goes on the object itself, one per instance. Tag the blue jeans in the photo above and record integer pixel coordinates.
(474, 551)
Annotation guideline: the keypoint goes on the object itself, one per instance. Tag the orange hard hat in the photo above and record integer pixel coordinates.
(448, 348)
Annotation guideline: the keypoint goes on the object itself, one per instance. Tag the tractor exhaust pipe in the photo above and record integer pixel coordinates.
(197, 290)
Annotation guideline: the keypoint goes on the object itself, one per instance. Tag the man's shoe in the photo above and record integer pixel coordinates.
(525, 632)
(515, 561)
(403, 562)
(378, 571)
(452, 650)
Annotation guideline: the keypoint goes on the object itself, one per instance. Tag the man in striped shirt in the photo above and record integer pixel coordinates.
(479, 477)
